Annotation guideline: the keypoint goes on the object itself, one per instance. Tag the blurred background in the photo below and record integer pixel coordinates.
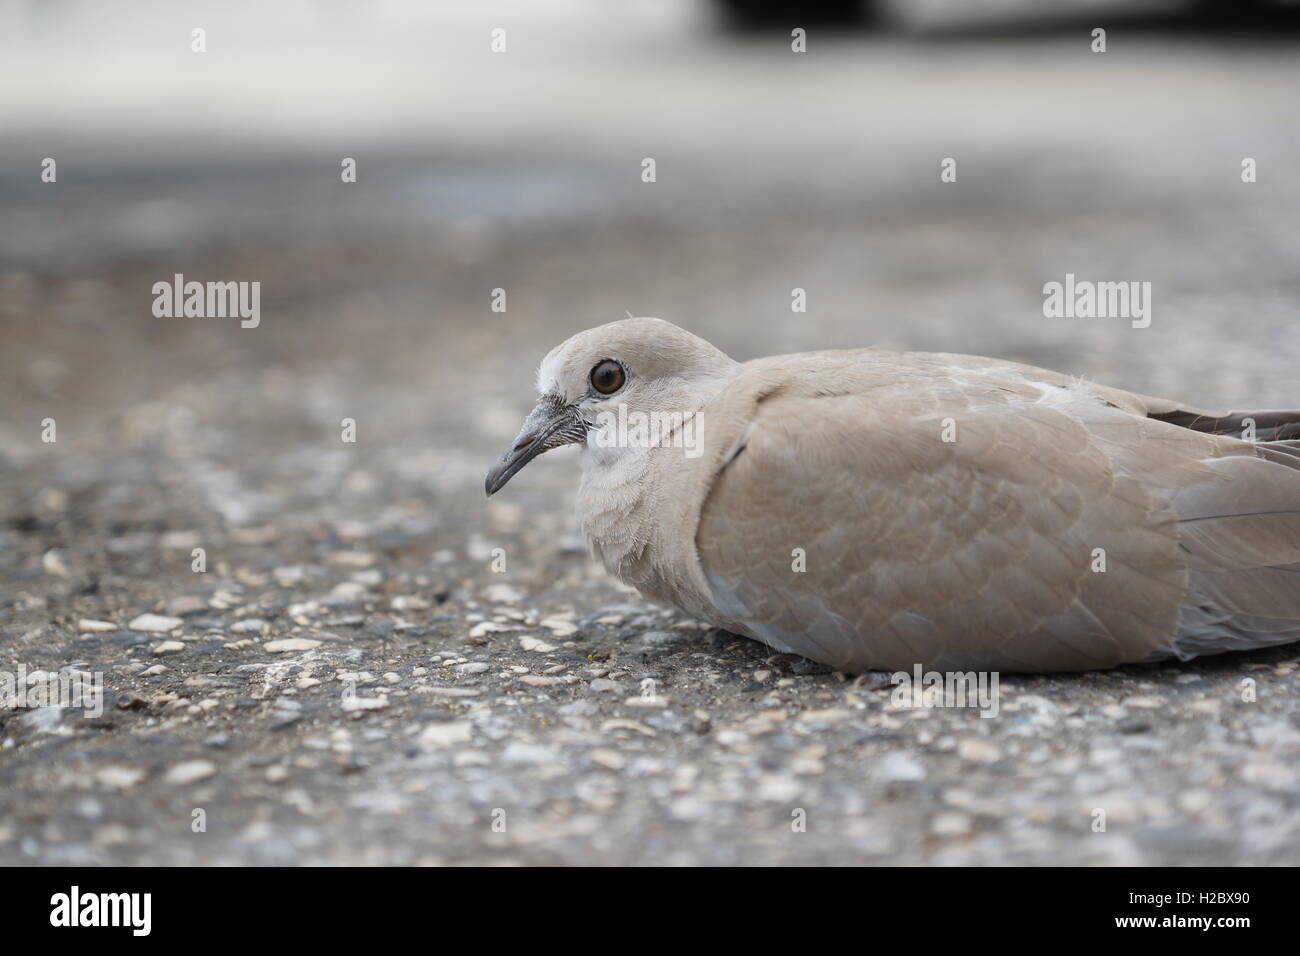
(522, 170)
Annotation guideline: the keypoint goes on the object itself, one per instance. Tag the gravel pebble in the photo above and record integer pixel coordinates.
(155, 623)
(289, 644)
(191, 771)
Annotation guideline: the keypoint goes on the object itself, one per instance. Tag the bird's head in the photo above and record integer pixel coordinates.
(641, 369)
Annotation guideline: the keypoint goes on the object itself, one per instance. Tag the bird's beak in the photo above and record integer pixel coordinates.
(549, 425)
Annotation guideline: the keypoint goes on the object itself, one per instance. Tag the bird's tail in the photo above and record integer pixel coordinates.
(1242, 540)
(1264, 426)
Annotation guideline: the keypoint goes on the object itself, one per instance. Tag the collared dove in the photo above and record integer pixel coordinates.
(875, 510)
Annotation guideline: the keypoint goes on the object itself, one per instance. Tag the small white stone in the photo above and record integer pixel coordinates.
(950, 824)
(351, 704)
(522, 753)
(45, 720)
(451, 691)
(90, 626)
(169, 647)
(502, 594)
(1270, 776)
(288, 576)
(179, 540)
(444, 735)
(620, 724)
(656, 701)
(533, 644)
(52, 563)
(899, 767)
(978, 751)
(155, 623)
(1146, 703)
(191, 771)
(778, 788)
(119, 778)
(610, 759)
(534, 680)
(349, 590)
(289, 644)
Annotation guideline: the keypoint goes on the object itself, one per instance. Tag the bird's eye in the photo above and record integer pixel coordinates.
(607, 377)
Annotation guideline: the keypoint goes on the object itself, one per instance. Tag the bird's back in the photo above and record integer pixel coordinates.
(873, 510)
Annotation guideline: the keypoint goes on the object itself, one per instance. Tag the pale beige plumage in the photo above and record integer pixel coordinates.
(873, 510)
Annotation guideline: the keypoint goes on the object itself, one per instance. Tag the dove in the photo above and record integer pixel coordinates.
(876, 510)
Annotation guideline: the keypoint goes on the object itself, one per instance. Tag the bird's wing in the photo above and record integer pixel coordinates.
(880, 510)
